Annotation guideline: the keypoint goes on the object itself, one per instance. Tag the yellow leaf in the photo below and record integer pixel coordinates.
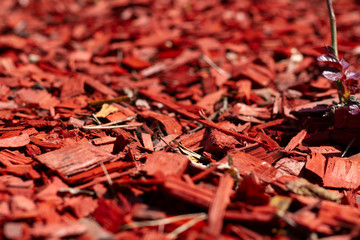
(105, 110)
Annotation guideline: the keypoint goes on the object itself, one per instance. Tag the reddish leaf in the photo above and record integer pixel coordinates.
(332, 75)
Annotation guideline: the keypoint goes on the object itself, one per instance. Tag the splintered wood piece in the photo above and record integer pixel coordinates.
(38, 97)
(336, 215)
(103, 140)
(97, 85)
(109, 214)
(296, 140)
(192, 194)
(81, 205)
(258, 214)
(260, 75)
(250, 111)
(135, 63)
(217, 141)
(288, 166)
(8, 158)
(22, 170)
(45, 144)
(99, 171)
(245, 233)
(14, 142)
(309, 220)
(194, 140)
(342, 173)
(219, 204)
(259, 152)
(165, 141)
(72, 87)
(171, 125)
(271, 143)
(166, 163)
(327, 151)
(246, 163)
(75, 158)
(58, 230)
(252, 191)
(147, 142)
(208, 101)
(158, 37)
(316, 163)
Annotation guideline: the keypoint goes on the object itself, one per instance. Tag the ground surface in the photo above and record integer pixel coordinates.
(175, 119)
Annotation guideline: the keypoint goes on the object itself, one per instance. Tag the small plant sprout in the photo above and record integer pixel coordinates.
(347, 80)
(338, 70)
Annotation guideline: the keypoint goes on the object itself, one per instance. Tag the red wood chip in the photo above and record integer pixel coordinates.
(109, 215)
(97, 85)
(58, 230)
(135, 63)
(170, 123)
(75, 158)
(193, 194)
(245, 164)
(342, 173)
(8, 158)
(219, 204)
(296, 140)
(219, 142)
(14, 230)
(316, 163)
(148, 144)
(14, 142)
(81, 206)
(39, 97)
(166, 163)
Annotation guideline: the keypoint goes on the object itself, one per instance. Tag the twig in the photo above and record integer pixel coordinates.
(213, 65)
(187, 225)
(112, 127)
(113, 100)
(106, 173)
(348, 146)
(96, 119)
(167, 144)
(109, 180)
(162, 221)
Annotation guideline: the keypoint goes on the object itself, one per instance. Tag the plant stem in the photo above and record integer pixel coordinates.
(333, 26)
(339, 84)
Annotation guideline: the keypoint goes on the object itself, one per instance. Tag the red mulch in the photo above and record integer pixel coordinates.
(177, 119)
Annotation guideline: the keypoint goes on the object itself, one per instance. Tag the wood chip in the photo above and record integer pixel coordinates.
(73, 159)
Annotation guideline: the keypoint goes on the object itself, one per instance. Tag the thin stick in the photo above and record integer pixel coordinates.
(348, 146)
(186, 226)
(108, 178)
(161, 221)
(112, 127)
(213, 65)
(110, 182)
(96, 119)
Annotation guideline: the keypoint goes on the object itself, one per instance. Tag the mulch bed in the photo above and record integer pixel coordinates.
(177, 119)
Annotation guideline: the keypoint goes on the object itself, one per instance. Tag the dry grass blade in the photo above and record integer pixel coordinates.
(164, 221)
